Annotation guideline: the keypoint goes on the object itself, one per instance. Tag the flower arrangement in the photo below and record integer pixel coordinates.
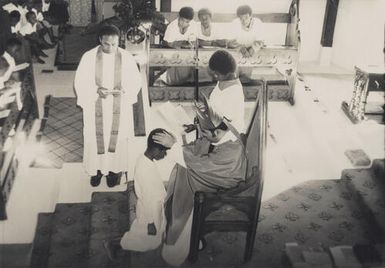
(133, 12)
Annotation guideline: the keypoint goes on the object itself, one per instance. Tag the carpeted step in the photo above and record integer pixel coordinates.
(15, 255)
(41, 241)
(110, 219)
(70, 236)
(369, 192)
(379, 169)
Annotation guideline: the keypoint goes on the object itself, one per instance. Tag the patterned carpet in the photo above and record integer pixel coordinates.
(315, 213)
(72, 47)
(61, 131)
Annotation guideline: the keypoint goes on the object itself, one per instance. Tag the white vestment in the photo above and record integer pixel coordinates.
(150, 191)
(22, 10)
(247, 37)
(86, 91)
(173, 33)
(227, 98)
(215, 32)
(28, 29)
(11, 68)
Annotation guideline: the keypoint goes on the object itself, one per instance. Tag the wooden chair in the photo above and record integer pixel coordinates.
(236, 209)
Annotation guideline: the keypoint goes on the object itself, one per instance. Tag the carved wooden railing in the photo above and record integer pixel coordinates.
(367, 78)
(271, 62)
(16, 123)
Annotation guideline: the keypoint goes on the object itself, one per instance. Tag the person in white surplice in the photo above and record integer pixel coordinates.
(107, 82)
(146, 231)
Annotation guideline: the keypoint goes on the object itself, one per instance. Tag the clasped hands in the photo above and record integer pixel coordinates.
(248, 52)
(104, 92)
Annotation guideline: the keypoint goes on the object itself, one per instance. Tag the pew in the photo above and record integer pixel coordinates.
(15, 128)
(277, 64)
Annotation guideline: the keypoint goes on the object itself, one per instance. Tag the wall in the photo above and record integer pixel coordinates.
(311, 14)
(311, 19)
(359, 33)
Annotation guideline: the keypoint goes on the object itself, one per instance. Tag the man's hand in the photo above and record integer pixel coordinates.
(219, 43)
(232, 43)
(166, 139)
(189, 127)
(245, 52)
(151, 229)
(103, 92)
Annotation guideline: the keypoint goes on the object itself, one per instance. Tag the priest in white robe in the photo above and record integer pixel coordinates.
(107, 82)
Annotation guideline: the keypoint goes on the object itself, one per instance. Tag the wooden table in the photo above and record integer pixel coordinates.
(368, 78)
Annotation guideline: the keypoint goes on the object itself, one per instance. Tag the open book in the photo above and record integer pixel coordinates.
(174, 116)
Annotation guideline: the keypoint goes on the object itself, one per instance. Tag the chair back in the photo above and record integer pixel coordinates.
(254, 141)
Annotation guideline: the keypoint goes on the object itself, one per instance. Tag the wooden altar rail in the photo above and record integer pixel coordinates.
(272, 62)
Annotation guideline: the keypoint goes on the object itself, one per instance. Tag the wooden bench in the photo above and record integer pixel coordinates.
(273, 63)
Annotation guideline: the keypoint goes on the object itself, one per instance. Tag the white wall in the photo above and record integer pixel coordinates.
(311, 14)
(311, 19)
(359, 33)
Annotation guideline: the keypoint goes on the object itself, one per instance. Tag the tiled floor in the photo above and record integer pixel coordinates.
(305, 142)
(63, 131)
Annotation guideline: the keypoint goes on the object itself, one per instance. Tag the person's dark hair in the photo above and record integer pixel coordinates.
(4, 65)
(186, 13)
(108, 30)
(204, 11)
(245, 9)
(30, 14)
(15, 15)
(222, 62)
(150, 142)
(13, 42)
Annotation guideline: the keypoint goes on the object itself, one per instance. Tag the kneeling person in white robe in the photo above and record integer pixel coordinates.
(146, 231)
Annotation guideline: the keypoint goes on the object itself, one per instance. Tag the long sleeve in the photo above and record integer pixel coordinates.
(84, 84)
(131, 77)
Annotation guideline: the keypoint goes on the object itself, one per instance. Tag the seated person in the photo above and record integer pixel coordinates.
(36, 41)
(11, 54)
(227, 97)
(146, 231)
(4, 66)
(208, 33)
(56, 13)
(180, 33)
(8, 93)
(43, 26)
(214, 161)
(248, 32)
(248, 37)
(17, 5)
(15, 21)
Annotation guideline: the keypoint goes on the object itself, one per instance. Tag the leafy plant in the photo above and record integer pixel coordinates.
(134, 11)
